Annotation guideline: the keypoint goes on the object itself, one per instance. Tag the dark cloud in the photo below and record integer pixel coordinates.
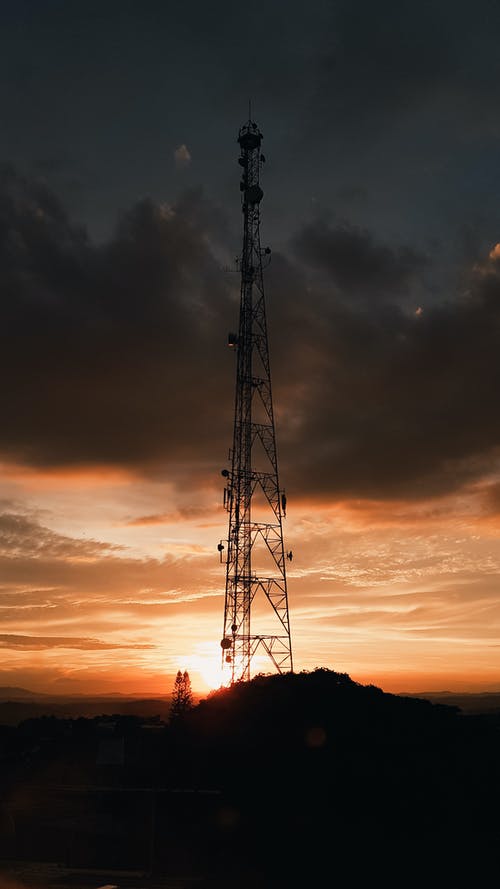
(356, 263)
(383, 60)
(115, 354)
(392, 96)
(400, 404)
(380, 64)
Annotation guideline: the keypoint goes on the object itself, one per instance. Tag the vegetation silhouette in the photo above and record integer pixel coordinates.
(182, 695)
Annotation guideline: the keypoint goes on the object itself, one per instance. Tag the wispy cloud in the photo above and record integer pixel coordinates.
(182, 514)
(25, 537)
(40, 643)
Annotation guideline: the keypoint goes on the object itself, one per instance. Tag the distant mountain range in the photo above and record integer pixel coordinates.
(14, 693)
(467, 702)
(18, 704)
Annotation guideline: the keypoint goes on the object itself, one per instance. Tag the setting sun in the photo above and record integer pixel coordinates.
(206, 671)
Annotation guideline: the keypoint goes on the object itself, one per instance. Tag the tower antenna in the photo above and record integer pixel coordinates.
(256, 600)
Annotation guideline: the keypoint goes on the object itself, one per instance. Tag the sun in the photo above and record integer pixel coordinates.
(206, 670)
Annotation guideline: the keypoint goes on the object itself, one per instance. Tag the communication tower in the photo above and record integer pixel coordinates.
(256, 600)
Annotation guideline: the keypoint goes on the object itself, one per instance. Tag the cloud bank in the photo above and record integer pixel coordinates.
(115, 353)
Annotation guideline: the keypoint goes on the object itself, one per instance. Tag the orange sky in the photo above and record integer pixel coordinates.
(112, 583)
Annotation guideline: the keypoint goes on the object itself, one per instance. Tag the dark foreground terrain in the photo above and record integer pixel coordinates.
(298, 780)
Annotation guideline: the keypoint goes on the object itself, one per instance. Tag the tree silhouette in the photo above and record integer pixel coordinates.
(182, 695)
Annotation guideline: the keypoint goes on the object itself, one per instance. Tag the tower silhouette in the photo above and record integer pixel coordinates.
(256, 600)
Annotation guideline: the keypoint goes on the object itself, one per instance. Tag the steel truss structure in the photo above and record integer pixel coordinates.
(253, 476)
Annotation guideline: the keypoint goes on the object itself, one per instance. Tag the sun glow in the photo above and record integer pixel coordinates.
(206, 670)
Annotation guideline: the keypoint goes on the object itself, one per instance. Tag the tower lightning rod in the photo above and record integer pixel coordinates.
(255, 556)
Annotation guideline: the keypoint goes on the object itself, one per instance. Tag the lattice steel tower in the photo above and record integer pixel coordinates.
(256, 601)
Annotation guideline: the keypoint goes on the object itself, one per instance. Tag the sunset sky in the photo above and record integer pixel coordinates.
(120, 220)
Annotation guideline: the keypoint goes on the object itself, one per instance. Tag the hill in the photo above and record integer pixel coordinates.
(345, 770)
